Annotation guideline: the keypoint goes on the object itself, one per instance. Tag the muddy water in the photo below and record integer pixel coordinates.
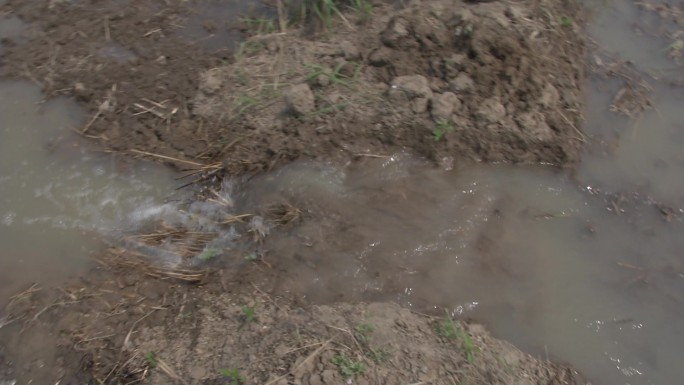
(58, 200)
(542, 262)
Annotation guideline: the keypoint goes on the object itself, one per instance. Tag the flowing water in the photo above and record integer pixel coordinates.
(57, 198)
(584, 267)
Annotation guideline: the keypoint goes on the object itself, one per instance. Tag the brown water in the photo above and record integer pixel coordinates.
(582, 267)
(58, 199)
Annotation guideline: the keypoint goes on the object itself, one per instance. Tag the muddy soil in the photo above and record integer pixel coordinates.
(484, 81)
(126, 62)
(451, 81)
(120, 326)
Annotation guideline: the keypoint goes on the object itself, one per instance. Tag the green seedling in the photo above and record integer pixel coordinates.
(252, 257)
(468, 30)
(448, 329)
(379, 355)
(242, 78)
(151, 358)
(315, 70)
(248, 314)
(329, 109)
(347, 367)
(208, 254)
(469, 348)
(363, 332)
(248, 47)
(362, 7)
(675, 48)
(243, 104)
(335, 76)
(259, 26)
(324, 10)
(443, 126)
(566, 21)
(233, 376)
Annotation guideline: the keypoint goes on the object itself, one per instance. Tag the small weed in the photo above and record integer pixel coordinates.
(248, 315)
(248, 47)
(259, 26)
(362, 7)
(324, 10)
(151, 358)
(329, 109)
(336, 76)
(446, 329)
(242, 78)
(347, 367)
(233, 375)
(363, 332)
(449, 330)
(252, 257)
(566, 21)
(469, 347)
(208, 254)
(243, 104)
(379, 355)
(315, 70)
(676, 48)
(466, 31)
(443, 126)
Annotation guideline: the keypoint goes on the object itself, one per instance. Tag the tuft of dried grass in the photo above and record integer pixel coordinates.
(119, 257)
(283, 214)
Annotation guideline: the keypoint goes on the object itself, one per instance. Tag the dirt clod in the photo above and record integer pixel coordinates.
(444, 105)
(300, 99)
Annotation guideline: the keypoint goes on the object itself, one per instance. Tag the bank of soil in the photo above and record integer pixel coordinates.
(484, 81)
(119, 326)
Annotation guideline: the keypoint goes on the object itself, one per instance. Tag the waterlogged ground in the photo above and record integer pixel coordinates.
(581, 267)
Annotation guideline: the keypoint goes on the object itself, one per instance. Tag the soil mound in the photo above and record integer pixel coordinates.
(119, 326)
(491, 82)
(448, 79)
